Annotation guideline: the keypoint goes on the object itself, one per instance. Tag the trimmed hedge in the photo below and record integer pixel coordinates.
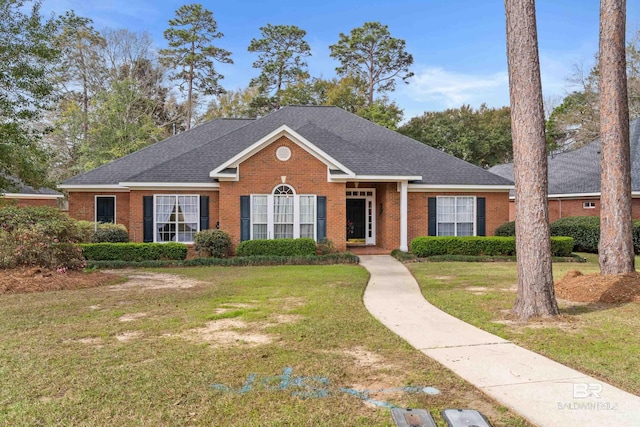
(277, 247)
(427, 246)
(134, 251)
(585, 231)
(508, 229)
(336, 258)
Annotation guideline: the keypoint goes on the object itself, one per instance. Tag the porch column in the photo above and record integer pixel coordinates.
(404, 185)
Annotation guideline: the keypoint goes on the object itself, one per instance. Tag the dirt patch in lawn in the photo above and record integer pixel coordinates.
(35, 279)
(226, 332)
(147, 280)
(610, 288)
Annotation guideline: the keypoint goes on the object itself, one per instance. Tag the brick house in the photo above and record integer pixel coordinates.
(310, 171)
(574, 179)
(25, 195)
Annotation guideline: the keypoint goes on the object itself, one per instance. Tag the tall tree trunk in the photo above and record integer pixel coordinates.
(190, 98)
(535, 280)
(616, 242)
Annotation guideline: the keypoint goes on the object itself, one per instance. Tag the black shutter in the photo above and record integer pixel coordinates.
(432, 216)
(322, 217)
(147, 217)
(245, 218)
(481, 220)
(204, 212)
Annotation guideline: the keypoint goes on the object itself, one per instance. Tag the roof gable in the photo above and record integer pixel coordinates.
(293, 136)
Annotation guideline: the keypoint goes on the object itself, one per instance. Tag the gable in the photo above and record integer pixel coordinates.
(288, 138)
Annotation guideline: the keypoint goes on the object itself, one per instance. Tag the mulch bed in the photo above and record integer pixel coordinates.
(610, 288)
(34, 279)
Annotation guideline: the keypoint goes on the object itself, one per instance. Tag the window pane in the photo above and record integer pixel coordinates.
(446, 229)
(283, 231)
(446, 209)
(260, 231)
(307, 209)
(465, 229)
(283, 209)
(259, 209)
(306, 230)
(464, 208)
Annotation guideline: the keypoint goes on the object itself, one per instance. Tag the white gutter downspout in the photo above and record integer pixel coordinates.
(404, 186)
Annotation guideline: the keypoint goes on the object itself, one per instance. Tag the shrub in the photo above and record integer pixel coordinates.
(110, 233)
(134, 251)
(508, 229)
(38, 236)
(86, 230)
(277, 247)
(585, 231)
(427, 246)
(561, 246)
(212, 243)
(326, 247)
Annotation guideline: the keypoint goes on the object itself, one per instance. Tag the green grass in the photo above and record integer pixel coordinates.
(64, 359)
(597, 339)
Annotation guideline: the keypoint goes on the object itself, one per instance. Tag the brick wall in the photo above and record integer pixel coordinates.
(497, 211)
(23, 203)
(262, 172)
(82, 206)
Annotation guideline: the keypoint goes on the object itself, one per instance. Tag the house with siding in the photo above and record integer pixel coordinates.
(301, 171)
(574, 179)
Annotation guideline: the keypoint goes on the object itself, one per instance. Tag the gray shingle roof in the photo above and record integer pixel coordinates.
(578, 171)
(360, 145)
(22, 188)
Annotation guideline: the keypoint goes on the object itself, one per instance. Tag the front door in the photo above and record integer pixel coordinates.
(356, 225)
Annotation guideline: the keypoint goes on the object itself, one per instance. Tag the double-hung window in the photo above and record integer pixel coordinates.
(283, 214)
(176, 217)
(456, 216)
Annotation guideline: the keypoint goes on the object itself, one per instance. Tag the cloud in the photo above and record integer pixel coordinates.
(437, 86)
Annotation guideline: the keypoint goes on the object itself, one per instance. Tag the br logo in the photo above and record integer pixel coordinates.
(585, 390)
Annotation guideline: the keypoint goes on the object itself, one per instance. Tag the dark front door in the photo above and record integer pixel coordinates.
(355, 219)
(106, 209)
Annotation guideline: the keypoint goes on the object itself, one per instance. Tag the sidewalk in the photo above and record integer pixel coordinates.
(539, 389)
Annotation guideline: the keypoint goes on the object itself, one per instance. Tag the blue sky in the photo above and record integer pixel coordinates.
(458, 46)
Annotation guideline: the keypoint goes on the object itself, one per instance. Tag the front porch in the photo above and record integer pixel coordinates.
(367, 250)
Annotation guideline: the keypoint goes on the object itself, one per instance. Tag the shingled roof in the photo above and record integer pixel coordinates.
(578, 171)
(23, 189)
(360, 145)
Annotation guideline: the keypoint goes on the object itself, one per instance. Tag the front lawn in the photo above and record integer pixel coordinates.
(288, 345)
(598, 339)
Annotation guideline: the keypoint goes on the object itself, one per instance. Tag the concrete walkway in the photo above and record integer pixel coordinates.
(541, 390)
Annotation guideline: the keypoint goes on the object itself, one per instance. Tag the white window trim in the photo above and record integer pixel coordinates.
(296, 213)
(587, 205)
(95, 208)
(155, 222)
(455, 224)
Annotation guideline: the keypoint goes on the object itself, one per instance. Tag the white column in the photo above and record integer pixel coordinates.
(404, 185)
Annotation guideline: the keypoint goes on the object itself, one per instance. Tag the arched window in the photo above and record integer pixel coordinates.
(283, 212)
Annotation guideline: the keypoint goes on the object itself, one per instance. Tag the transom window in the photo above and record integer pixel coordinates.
(176, 218)
(456, 216)
(283, 214)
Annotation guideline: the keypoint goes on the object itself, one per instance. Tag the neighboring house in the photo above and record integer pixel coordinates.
(317, 172)
(574, 179)
(25, 195)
